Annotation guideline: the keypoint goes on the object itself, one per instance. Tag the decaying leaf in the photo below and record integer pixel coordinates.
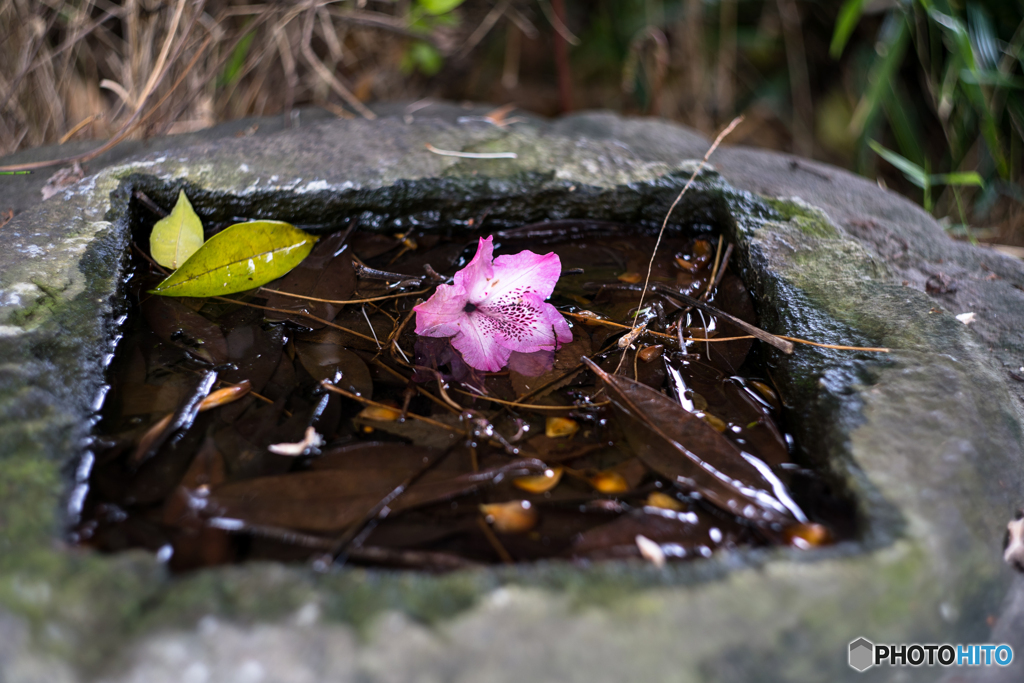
(513, 517)
(425, 434)
(566, 358)
(560, 427)
(380, 413)
(608, 481)
(226, 395)
(326, 273)
(679, 535)
(337, 365)
(177, 324)
(657, 499)
(177, 236)
(329, 500)
(540, 483)
(807, 535)
(683, 448)
(241, 257)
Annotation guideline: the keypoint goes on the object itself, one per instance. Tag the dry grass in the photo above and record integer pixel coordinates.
(96, 68)
(116, 69)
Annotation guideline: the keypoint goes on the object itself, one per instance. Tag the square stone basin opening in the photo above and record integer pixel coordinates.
(210, 493)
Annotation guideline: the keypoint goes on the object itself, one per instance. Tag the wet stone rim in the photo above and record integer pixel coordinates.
(921, 554)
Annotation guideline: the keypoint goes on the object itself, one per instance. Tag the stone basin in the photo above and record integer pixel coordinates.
(927, 439)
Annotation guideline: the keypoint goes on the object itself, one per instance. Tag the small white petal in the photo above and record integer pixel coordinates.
(311, 440)
(966, 318)
(650, 551)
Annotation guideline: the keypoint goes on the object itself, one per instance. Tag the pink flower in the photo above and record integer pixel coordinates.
(496, 306)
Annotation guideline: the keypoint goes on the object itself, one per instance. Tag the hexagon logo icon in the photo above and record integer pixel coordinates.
(862, 654)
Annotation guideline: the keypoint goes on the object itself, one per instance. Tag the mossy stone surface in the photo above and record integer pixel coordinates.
(928, 438)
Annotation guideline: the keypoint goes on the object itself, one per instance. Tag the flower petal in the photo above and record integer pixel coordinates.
(479, 272)
(441, 314)
(479, 348)
(496, 307)
(525, 324)
(517, 274)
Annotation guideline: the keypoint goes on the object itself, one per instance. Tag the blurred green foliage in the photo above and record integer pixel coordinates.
(951, 65)
(937, 83)
(423, 17)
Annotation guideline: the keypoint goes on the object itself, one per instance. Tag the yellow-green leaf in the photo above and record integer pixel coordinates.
(242, 256)
(176, 237)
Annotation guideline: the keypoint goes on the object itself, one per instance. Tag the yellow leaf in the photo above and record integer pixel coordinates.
(513, 517)
(657, 499)
(539, 483)
(176, 237)
(608, 481)
(558, 427)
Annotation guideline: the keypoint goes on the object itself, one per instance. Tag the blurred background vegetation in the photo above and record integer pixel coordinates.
(926, 96)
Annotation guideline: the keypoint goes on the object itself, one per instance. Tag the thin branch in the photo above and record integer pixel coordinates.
(484, 28)
(369, 402)
(377, 510)
(471, 155)
(495, 542)
(837, 347)
(650, 266)
(345, 301)
(302, 313)
(527, 406)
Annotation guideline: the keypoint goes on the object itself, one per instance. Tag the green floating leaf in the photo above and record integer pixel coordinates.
(176, 237)
(242, 256)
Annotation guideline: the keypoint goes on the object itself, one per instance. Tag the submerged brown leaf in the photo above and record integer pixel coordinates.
(683, 448)
(679, 535)
(177, 324)
(337, 365)
(329, 500)
(566, 359)
(326, 273)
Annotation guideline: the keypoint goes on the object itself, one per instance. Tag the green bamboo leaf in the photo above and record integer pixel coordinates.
(955, 29)
(991, 77)
(242, 256)
(176, 237)
(849, 16)
(904, 124)
(912, 171)
(959, 178)
(957, 32)
(233, 68)
(439, 6)
(883, 71)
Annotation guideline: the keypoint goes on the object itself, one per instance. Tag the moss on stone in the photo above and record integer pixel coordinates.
(809, 219)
